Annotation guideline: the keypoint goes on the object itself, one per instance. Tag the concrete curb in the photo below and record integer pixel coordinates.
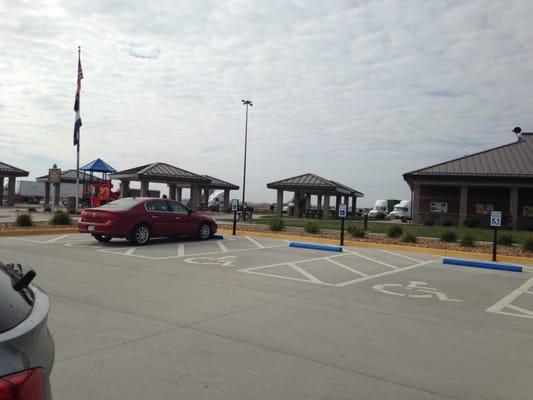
(313, 246)
(413, 249)
(482, 264)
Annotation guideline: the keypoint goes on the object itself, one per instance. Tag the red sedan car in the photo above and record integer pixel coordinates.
(139, 219)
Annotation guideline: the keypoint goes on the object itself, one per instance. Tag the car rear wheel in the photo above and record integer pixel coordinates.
(103, 238)
(204, 232)
(141, 234)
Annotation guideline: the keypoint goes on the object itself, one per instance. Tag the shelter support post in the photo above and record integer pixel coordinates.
(416, 203)
(513, 207)
(124, 188)
(307, 201)
(463, 204)
(279, 202)
(297, 204)
(57, 193)
(11, 191)
(326, 205)
(354, 205)
(195, 196)
(144, 188)
(319, 202)
(226, 200)
(206, 197)
(179, 192)
(1, 190)
(337, 204)
(347, 201)
(171, 191)
(47, 193)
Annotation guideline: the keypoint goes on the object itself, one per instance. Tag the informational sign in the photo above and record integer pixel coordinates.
(342, 210)
(483, 208)
(528, 211)
(54, 175)
(438, 207)
(496, 219)
(234, 205)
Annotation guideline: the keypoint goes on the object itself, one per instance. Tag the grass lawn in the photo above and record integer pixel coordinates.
(480, 234)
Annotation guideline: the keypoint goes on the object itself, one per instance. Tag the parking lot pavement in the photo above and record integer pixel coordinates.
(249, 317)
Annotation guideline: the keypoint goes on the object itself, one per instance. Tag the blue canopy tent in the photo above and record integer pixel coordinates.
(98, 165)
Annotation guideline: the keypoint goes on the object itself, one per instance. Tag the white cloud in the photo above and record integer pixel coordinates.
(359, 92)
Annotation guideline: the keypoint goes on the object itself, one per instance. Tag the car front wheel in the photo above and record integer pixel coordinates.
(204, 232)
(141, 234)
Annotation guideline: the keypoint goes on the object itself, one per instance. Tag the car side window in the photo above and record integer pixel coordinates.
(157, 206)
(178, 208)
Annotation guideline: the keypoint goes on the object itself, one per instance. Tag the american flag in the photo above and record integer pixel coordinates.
(77, 121)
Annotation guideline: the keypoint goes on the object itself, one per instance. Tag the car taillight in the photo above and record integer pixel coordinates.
(26, 385)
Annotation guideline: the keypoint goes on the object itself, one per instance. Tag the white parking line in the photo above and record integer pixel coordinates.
(223, 248)
(400, 255)
(254, 242)
(505, 302)
(302, 271)
(57, 238)
(346, 267)
(374, 260)
(181, 249)
(130, 251)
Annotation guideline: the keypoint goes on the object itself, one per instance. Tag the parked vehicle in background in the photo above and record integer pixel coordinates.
(402, 211)
(216, 200)
(139, 219)
(382, 208)
(33, 192)
(26, 345)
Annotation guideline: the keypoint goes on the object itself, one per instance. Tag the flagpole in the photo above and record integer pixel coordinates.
(78, 156)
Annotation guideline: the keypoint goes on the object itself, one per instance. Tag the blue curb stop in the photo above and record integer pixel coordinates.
(315, 246)
(482, 264)
(218, 237)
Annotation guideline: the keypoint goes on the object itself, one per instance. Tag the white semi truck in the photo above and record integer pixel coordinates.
(33, 192)
(382, 208)
(402, 210)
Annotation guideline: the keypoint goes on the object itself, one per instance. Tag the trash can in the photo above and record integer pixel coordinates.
(71, 204)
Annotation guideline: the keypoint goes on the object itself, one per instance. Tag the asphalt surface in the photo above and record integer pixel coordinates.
(251, 318)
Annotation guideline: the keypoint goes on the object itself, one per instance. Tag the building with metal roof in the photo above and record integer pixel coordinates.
(469, 187)
(307, 185)
(67, 176)
(177, 179)
(12, 173)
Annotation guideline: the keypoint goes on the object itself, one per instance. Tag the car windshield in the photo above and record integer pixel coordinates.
(121, 203)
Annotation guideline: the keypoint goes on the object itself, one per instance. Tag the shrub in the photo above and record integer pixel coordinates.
(311, 226)
(355, 231)
(24, 220)
(471, 222)
(506, 239)
(408, 237)
(429, 220)
(47, 208)
(277, 224)
(468, 240)
(448, 236)
(528, 245)
(447, 223)
(395, 231)
(60, 218)
(32, 209)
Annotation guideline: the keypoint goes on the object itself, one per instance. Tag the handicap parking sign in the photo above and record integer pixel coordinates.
(234, 205)
(496, 219)
(342, 210)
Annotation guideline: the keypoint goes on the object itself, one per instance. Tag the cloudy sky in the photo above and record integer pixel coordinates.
(356, 91)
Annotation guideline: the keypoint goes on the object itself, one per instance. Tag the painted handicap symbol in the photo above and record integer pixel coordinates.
(227, 261)
(414, 289)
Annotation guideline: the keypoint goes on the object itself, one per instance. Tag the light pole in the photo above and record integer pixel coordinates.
(246, 103)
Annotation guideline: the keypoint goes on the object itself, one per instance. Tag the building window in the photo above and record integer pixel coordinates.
(483, 208)
(438, 207)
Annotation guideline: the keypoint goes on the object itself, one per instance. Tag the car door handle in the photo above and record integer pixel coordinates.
(178, 218)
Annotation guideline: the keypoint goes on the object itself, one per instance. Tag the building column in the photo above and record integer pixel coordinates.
(354, 206)
(171, 191)
(225, 206)
(179, 194)
(326, 205)
(307, 201)
(463, 204)
(57, 193)
(46, 193)
(513, 207)
(279, 202)
(11, 191)
(145, 185)
(337, 204)
(195, 196)
(1, 190)
(297, 204)
(415, 206)
(124, 189)
(206, 197)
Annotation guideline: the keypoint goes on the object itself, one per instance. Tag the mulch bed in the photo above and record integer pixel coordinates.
(37, 226)
(383, 239)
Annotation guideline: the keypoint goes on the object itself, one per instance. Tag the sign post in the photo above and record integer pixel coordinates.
(54, 177)
(342, 216)
(234, 208)
(495, 222)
